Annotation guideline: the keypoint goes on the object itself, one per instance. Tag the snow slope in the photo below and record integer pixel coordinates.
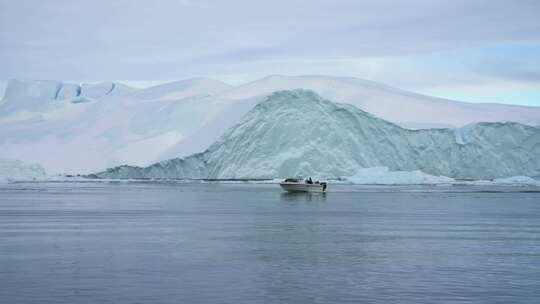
(182, 89)
(71, 128)
(404, 108)
(74, 137)
(383, 176)
(43, 95)
(13, 170)
(298, 132)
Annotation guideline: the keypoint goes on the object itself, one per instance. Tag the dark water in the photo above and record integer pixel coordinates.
(189, 243)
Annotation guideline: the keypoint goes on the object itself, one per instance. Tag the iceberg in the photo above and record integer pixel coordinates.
(28, 95)
(81, 128)
(73, 136)
(517, 180)
(183, 89)
(383, 176)
(102, 89)
(299, 133)
(16, 170)
(407, 109)
(43, 95)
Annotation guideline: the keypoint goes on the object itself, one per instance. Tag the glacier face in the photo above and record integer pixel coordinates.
(183, 89)
(299, 133)
(72, 128)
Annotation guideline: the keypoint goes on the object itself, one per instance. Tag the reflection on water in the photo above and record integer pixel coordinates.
(238, 243)
(303, 196)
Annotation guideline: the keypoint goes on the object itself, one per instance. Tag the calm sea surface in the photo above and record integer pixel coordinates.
(252, 243)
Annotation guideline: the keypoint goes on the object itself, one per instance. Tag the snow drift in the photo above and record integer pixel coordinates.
(299, 133)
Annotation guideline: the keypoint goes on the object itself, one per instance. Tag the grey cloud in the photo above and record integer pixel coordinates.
(139, 40)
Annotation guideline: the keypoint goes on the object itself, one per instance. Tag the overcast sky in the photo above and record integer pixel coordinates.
(468, 50)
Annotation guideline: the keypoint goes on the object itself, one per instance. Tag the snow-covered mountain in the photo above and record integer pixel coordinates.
(70, 128)
(298, 132)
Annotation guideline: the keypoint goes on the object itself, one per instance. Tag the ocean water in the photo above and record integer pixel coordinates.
(253, 243)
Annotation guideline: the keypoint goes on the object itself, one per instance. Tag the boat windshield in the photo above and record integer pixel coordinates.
(291, 180)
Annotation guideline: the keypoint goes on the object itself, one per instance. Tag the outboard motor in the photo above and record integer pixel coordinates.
(323, 187)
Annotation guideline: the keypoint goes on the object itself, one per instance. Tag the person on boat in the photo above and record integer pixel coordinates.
(309, 181)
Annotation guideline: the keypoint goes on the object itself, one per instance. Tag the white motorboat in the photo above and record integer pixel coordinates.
(298, 185)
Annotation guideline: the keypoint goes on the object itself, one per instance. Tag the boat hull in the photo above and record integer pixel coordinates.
(302, 187)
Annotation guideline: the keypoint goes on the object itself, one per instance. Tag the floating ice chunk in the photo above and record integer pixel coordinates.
(517, 180)
(383, 176)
